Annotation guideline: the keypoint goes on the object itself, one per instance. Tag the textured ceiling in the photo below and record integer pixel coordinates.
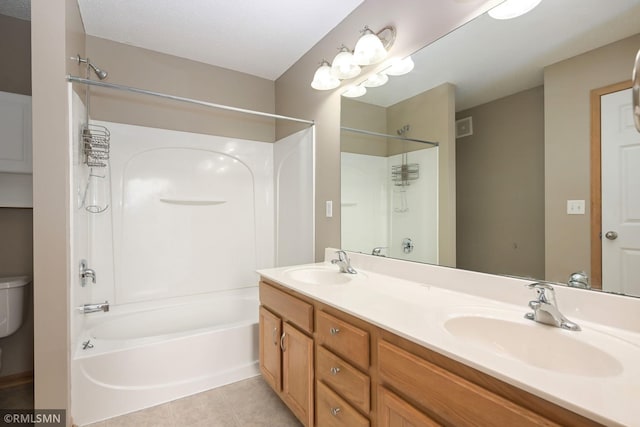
(263, 38)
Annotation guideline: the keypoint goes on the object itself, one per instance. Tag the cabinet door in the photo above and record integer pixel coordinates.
(270, 354)
(395, 412)
(15, 140)
(297, 373)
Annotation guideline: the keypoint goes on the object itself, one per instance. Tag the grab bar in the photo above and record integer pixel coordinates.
(635, 90)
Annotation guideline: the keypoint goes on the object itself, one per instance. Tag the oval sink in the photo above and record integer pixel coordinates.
(539, 345)
(319, 275)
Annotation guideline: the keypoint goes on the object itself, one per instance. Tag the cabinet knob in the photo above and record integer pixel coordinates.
(274, 336)
(282, 342)
(334, 371)
(334, 331)
(335, 411)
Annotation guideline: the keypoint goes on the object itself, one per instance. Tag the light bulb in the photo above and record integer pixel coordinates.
(355, 91)
(369, 49)
(323, 79)
(344, 66)
(400, 67)
(376, 80)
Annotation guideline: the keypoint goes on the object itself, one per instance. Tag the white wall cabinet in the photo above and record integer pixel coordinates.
(15, 133)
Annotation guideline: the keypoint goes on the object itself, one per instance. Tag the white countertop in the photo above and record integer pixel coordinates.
(417, 311)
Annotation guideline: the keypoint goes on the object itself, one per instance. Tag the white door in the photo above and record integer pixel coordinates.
(620, 195)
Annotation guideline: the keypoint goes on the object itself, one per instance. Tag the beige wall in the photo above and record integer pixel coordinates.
(145, 69)
(431, 116)
(500, 187)
(15, 51)
(16, 256)
(363, 116)
(418, 23)
(56, 34)
(567, 137)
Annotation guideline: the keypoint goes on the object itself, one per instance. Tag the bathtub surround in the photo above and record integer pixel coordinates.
(191, 218)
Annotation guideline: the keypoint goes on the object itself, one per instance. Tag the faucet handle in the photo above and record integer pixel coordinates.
(545, 291)
(342, 255)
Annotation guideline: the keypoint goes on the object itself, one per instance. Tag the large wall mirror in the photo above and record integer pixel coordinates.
(491, 155)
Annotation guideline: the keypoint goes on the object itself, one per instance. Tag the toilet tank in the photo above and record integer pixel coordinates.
(12, 294)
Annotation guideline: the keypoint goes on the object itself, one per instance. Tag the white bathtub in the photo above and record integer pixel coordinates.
(145, 354)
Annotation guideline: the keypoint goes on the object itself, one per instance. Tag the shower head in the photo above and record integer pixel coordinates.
(102, 74)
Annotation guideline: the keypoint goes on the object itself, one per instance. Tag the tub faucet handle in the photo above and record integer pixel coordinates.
(86, 273)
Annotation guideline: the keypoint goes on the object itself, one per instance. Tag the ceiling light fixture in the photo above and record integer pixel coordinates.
(400, 67)
(513, 8)
(355, 91)
(376, 80)
(323, 79)
(343, 66)
(371, 47)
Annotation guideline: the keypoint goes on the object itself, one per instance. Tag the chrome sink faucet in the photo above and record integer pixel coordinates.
(344, 263)
(545, 308)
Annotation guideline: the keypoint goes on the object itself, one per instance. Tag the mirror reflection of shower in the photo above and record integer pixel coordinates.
(402, 174)
(389, 194)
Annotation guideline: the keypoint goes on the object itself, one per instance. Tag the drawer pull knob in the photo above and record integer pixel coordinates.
(335, 411)
(282, 342)
(334, 371)
(334, 331)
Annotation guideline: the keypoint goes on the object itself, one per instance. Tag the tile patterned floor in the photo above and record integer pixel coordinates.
(248, 403)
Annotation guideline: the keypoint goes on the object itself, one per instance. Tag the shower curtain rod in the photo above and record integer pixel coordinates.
(75, 79)
(384, 135)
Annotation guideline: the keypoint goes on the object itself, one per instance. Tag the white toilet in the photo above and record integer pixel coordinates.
(12, 293)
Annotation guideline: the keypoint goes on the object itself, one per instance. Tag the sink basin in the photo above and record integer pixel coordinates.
(584, 353)
(320, 275)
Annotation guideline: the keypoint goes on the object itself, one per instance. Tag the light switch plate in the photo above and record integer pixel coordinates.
(329, 208)
(575, 207)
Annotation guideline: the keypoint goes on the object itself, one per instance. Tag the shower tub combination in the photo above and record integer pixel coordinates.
(145, 354)
(192, 218)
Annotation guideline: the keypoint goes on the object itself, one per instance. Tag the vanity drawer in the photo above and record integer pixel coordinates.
(289, 307)
(333, 411)
(344, 339)
(343, 378)
(446, 396)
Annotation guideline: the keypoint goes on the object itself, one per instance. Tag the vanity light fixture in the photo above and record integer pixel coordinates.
(376, 80)
(355, 91)
(400, 67)
(372, 47)
(513, 8)
(323, 79)
(344, 66)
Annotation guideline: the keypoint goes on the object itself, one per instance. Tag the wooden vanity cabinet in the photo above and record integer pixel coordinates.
(286, 352)
(366, 376)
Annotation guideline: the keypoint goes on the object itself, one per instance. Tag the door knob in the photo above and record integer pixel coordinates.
(611, 235)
